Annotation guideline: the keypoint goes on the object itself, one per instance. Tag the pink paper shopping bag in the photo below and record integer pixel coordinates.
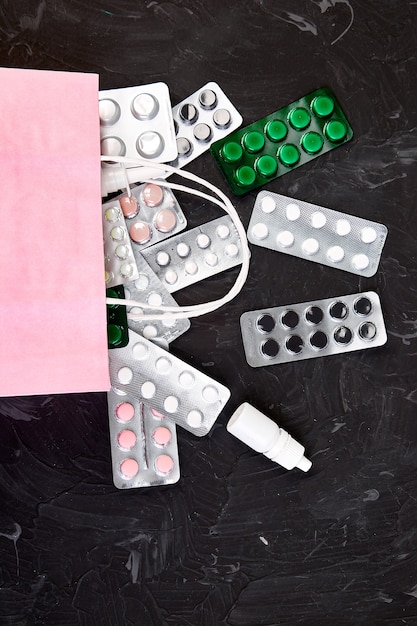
(52, 310)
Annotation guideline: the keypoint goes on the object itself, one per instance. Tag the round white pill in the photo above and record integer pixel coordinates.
(171, 404)
(171, 277)
(318, 219)
(140, 351)
(268, 204)
(162, 258)
(148, 390)
(292, 211)
(183, 250)
(260, 231)
(163, 365)
(210, 394)
(194, 418)
(125, 375)
(368, 234)
(232, 250)
(310, 246)
(343, 227)
(155, 299)
(142, 282)
(203, 241)
(335, 254)
(127, 269)
(285, 239)
(211, 259)
(191, 268)
(223, 231)
(117, 233)
(150, 332)
(186, 379)
(360, 262)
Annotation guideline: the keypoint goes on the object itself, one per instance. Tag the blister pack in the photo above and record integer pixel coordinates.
(119, 261)
(152, 213)
(316, 233)
(196, 254)
(137, 122)
(311, 329)
(190, 398)
(143, 444)
(205, 116)
(117, 329)
(282, 141)
(148, 288)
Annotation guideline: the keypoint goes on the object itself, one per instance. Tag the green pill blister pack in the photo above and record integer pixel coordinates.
(278, 143)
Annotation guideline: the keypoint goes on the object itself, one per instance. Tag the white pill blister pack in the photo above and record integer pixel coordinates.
(152, 213)
(143, 444)
(311, 329)
(119, 261)
(202, 118)
(146, 371)
(316, 233)
(149, 289)
(196, 254)
(137, 122)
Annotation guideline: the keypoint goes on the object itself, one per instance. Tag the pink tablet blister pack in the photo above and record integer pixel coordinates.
(149, 289)
(152, 213)
(137, 122)
(119, 261)
(143, 444)
(172, 387)
(196, 254)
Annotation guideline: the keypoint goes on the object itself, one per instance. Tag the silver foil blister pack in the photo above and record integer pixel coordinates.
(146, 371)
(137, 122)
(312, 329)
(152, 213)
(149, 289)
(196, 254)
(204, 117)
(316, 233)
(143, 444)
(119, 261)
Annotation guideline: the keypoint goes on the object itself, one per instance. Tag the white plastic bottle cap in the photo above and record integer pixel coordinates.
(263, 435)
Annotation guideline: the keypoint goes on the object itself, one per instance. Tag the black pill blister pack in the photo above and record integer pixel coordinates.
(309, 330)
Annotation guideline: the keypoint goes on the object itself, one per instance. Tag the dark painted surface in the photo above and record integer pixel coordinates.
(238, 541)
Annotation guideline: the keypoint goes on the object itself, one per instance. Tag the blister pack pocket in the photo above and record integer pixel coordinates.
(189, 397)
(148, 288)
(316, 233)
(137, 122)
(119, 261)
(196, 254)
(143, 444)
(308, 330)
(205, 116)
(117, 328)
(278, 143)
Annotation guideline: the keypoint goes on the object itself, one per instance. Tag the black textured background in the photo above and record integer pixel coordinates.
(238, 541)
